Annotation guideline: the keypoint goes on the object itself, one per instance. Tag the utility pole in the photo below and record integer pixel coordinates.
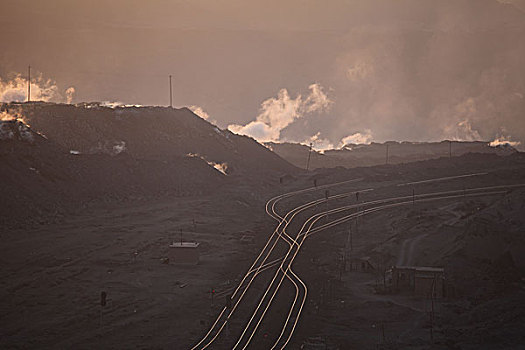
(342, 264)
(351, 239)
(29, 84)
(450, 149)
(387, 154)
(348, 246)
(432, 294)
(171, 94)
(309, 153)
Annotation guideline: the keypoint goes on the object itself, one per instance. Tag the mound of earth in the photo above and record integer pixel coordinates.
(150, 133)
(57, 156)
(42, 178)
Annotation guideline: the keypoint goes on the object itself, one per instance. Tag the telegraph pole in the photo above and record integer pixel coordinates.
(348, 246)
(356, 222)
(432, 294)
(351, 241)
(171, 94)
(29, 84)
(450, 149)
(309, 153)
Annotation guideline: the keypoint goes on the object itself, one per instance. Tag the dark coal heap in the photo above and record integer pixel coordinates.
(94, 153)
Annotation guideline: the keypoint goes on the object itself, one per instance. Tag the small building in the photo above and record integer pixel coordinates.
(360, 265)
(184, 253)
(419, 280)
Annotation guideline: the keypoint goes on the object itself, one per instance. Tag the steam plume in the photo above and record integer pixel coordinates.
(357, 138)
(70, 92)
(15, 90)
(318, 143)
(202, 113)
(278, 113)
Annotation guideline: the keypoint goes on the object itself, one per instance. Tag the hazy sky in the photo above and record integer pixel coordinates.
(364, 70)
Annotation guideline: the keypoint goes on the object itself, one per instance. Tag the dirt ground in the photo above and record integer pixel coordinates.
(52, 275)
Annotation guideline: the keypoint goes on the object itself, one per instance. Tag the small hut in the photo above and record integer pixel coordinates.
(184, 253)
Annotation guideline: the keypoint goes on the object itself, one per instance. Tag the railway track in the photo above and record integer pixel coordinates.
(284, 264)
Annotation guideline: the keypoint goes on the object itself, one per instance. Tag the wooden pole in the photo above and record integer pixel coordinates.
(309, 154)
(29, 84)
(171, 94)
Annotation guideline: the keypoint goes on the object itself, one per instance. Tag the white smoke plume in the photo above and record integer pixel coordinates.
(278, 113)
(111, 104)
(70, 92)
(15, 90)
(462, 131)
(200, 112)
(318, 143)
(503, 139)
(357, 138)
(221, 167)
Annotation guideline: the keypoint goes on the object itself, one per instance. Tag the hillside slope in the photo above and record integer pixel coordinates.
(149, 133)
(57, 157)
(42, 179)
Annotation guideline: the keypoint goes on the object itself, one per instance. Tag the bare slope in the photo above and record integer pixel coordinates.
(73, 155)
(150, 133)
(41, 178)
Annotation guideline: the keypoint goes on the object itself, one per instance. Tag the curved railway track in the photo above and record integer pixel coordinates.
(285, 262)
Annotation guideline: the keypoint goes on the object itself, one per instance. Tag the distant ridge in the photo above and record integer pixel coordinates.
(357, 155)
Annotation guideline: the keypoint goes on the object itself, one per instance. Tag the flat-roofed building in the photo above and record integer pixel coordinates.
(184, 253)
(419, 280)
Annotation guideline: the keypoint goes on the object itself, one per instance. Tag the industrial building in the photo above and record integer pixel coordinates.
(418, 280)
